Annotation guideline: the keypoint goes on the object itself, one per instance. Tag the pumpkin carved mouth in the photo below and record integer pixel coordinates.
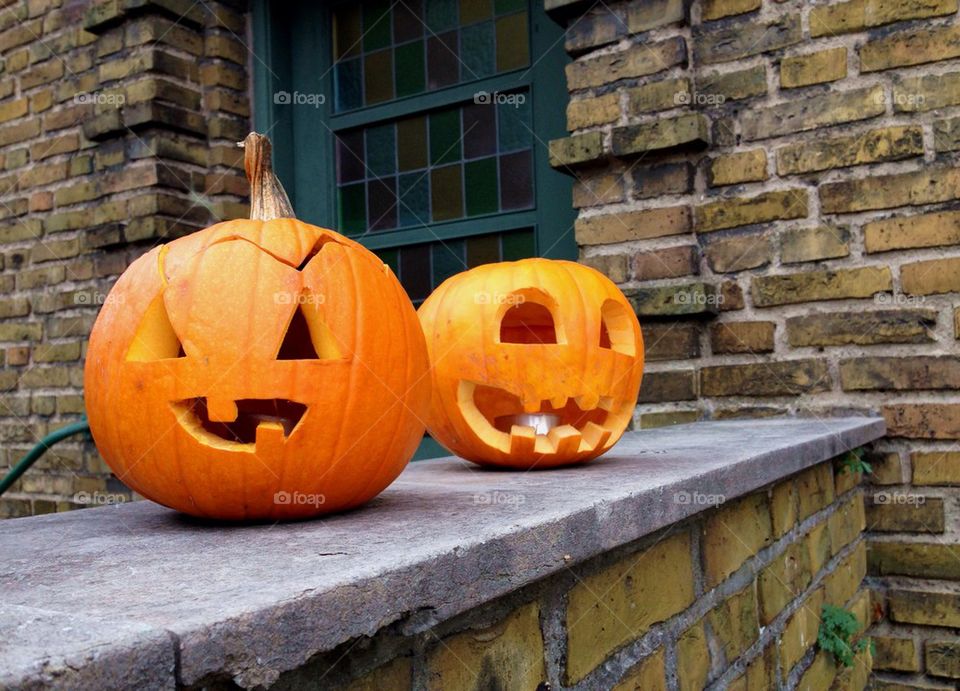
(245, 422)
(562, 424)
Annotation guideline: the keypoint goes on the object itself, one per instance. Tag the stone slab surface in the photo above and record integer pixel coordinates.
(119, 591)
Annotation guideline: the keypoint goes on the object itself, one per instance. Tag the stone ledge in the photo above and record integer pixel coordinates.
(138, 583)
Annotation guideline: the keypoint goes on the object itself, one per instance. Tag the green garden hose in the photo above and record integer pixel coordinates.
(37, 451)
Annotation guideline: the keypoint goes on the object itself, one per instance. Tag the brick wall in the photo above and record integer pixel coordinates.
(775, 186)
(118, 124)
(732, 598)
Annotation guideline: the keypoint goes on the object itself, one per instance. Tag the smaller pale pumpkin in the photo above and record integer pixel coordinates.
(535, 363)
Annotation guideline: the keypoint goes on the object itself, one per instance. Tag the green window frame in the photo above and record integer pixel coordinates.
(294, 45)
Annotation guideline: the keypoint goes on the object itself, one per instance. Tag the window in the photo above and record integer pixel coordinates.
(419, 127)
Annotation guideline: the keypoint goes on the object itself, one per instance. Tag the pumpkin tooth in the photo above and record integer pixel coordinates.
(269, 434)
(565, 439)
(558, 402)
(587, 401)
(531, 405)
(523, 439)
(595, 435)
(221, 410)
(606, 403)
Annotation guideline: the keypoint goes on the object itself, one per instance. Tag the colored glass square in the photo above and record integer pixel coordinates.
(443, 60)
(513, 43)
(477, 51)
(475, 11)
(350, 165)
(448, 259)
(479, 130)
(446, 193)
(519, 244)
(514, 128)
(504, 6)
(349, 84)
(381, 150)
(414, 203)
(412, 143)
(408, 62)
(407, 20)
(353, 209)
(382, 204)
(445, 136)
(378, 76)
(390, 257)
(440, 15)
(516, 181)
(376, 25)
(480, 186)
(483, 249)
(347, 32)
(415, 271)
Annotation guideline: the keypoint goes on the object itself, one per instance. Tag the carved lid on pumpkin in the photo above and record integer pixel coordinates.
(268, 199)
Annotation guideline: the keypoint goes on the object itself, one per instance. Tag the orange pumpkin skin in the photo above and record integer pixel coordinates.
(229, 431)
(494, 356)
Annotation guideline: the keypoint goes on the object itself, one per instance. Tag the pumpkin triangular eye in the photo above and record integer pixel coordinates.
(604, 335)
(616, 328)
(155, 338)
(297, 344)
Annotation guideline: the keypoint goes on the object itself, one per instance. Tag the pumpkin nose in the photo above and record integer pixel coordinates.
(221, 410)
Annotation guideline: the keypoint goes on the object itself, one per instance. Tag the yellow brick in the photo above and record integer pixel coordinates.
(931, 277)
(896, 654)
(507, 655)
(618, 604)
(800, 632)
(693, 658)
(717, 9)
(815, 489)
(396, 674)
(782, 580)
(649, 675)
(597, 110)
(743, 166)
(783, 507)
(814, 68)
(844, 581)
(910, 232)
(820, 674)
(735, 623)
(847, 522)
(733, 534)
(936, 468)
(742, 211)
(819, 549)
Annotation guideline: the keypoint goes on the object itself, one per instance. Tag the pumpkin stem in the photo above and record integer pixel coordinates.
(268, 199)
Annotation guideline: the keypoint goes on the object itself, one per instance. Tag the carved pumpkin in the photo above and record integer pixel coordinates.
(535, 363)
(257, 369)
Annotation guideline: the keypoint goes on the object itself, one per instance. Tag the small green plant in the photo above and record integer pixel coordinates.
(837, 629)
(853, 463)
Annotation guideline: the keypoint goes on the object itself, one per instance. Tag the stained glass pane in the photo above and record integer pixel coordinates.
(480, 184)
(414, 207)
(415, 271)
(390, 257)
(407, 20)
(443, 60)
(445, 136)
(513, 122)
(483, 249)
(518, 245)
(376, 25)
(347, 32)
(516, 181)
(381, 150)
(448, 259)
(441, 15)
(504, 6)
(409, 66)
(513, 48)
(382, 203)
(350, 156)
(348, 75)
(378, 76)
(479, 130)
(477, 52)
(446, 193)
(474, 11)
(353, 208)
(412, 143)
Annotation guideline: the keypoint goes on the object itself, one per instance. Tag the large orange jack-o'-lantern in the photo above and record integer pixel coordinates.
(535, 363)
(257, 369)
